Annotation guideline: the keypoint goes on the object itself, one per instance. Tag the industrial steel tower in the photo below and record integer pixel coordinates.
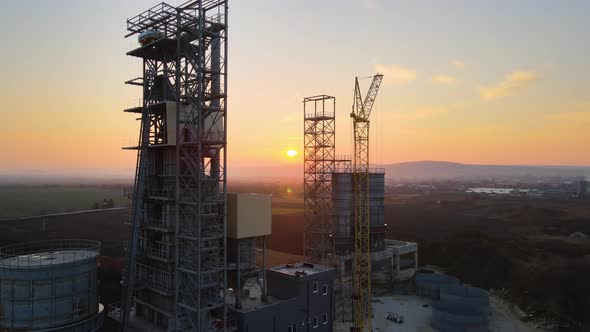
(176, 274)
(319, 163)
(361, 110)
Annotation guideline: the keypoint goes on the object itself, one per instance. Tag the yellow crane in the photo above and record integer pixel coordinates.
(361, 295)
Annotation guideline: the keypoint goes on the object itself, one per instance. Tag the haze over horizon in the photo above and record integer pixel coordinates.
(474, 82)
(417, 170)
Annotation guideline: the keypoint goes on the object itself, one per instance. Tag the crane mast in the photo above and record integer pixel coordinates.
(361, 109)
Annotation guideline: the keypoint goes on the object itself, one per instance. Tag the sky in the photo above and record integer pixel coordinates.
(482, 82)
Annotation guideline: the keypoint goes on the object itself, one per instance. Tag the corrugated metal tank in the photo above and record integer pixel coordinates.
(458, 317)
(343, 209)
(473, 297)
(376, 199)
(50, 284)
(376, 207)
(342, 184)
(461, 308)
(429, 284)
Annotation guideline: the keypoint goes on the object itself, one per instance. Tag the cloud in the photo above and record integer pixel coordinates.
(443, 79)
(396, 74)
(513, 82)
(458, 64)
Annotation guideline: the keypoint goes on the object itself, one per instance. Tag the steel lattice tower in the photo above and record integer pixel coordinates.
(177, 263)
(319, 164)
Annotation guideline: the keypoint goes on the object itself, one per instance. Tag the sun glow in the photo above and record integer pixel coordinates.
(291, 153)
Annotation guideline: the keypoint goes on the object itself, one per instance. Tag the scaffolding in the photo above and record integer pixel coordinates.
(319, 164)
(176, 273)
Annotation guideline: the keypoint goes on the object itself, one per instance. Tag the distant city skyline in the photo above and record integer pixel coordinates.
(478, 82)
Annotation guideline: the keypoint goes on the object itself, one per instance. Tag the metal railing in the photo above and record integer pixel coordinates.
(342, 158)
(26, 254)
(315, 115)
(158, 248)
(167, 224)
(349, 170)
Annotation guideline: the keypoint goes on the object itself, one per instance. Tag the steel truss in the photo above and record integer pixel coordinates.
(186, 65)
(319, 164)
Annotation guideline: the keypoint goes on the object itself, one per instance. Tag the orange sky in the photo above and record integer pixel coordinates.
(459, 91)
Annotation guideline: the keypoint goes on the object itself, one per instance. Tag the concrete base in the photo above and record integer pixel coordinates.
(394, 249)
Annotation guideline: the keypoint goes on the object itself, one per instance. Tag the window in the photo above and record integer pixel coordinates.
(315, 287)
(292, 328)
(325, 319)
(315, 322)
(325, 289)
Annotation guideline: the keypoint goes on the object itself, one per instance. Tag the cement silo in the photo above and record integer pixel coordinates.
(50, 286)
(342, 204)
(342, 184)
(376, 207)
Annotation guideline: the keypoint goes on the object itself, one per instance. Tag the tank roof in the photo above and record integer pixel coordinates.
(47, 253)
(48, 258)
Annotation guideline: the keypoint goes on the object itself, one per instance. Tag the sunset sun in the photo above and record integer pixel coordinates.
(291, 153)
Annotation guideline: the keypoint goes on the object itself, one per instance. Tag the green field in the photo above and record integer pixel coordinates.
(31, 201)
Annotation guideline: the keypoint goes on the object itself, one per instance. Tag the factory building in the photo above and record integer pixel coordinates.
(295, 297)
(50, 286)
(300, 298)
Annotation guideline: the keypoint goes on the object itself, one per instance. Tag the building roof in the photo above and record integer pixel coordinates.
(301, 269)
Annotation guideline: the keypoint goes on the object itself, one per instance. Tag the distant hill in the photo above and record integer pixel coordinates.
(450, 170)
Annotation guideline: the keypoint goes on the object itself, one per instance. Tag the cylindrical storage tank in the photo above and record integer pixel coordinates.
(458, 317)
(49, 285)
(342, 205)
(376, 207)
(429, 284)
(376, 198)
(476, 298)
